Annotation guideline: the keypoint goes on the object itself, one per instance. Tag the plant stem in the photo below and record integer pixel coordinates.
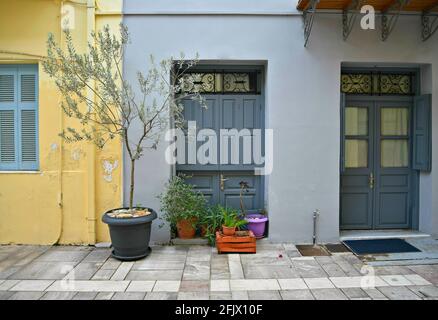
(131, 190)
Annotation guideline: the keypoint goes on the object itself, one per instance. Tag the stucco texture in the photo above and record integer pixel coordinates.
(61, 202)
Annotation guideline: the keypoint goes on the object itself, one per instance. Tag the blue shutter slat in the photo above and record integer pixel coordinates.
(8, 157)
(7, 88)
(422, 140)
(27, 117)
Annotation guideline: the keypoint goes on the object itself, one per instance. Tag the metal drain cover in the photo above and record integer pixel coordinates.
(309, 250)
(337, 248)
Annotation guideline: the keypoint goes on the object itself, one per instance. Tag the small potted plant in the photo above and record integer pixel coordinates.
(210, 222)
(256, 221)
(182, 206)
(231, 221)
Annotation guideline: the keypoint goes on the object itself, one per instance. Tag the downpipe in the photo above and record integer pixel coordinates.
(315, 220)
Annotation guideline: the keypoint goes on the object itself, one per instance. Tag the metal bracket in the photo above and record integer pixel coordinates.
(308, 16)
(389, 20)
(429, 23)
(349, 15)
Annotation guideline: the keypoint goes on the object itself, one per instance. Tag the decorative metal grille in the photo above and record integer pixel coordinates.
(221, 82)
(356, 83)
(377, 83)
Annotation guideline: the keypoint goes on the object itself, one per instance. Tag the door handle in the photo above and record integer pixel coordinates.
(371, 181)
(222, 182)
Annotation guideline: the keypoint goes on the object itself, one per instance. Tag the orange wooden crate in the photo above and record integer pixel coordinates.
(243, 244)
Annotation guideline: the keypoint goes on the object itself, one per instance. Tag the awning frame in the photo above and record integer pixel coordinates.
(390, 17)
(429, 23)
(308, 16)
(388, 20)
(349, 16)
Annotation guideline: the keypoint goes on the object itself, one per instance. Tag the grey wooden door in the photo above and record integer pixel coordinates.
(376, 185)
(220, 182)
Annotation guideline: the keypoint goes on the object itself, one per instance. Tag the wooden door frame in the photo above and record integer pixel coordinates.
(415, 176)
(260, 69)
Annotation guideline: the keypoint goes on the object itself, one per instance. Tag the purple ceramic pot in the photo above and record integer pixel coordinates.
(256, 223)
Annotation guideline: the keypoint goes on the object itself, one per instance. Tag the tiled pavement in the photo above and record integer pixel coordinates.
(277, 271)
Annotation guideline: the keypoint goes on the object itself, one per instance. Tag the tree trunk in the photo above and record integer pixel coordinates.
(131, 189)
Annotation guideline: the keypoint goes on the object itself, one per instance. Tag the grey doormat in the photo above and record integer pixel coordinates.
(379, 246)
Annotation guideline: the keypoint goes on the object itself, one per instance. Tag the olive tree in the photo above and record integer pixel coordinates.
(96, 92)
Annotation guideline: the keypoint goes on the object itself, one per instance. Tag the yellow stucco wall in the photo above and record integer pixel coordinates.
(63, 201)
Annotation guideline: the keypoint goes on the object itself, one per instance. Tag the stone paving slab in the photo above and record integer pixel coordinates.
(38, 270)
(89, 285)
(220, 296)
(85, 296)
(140, 286)
(167, 286)
(104, 295)
(219, 285)
(252, 285)
(264, 295)
(399, 293)
(27, 295)
(276, 271)
(301, 294)
(329, 294)
(292, 284)
(161, 296)
(59, 295)
(155, 275)
(129, 296)
(32, 285)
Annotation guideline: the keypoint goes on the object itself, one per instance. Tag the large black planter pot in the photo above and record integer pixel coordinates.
(130, 237)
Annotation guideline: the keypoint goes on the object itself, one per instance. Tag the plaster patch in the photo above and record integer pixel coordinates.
(76, 154)
(108, 169)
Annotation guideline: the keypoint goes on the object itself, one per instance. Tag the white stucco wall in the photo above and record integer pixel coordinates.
(302, 95)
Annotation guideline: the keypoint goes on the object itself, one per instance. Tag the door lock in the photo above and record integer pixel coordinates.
(222, 182)
(371, 181)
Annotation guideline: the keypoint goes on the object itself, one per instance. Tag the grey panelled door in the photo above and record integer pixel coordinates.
(377, 182)
(220, 182)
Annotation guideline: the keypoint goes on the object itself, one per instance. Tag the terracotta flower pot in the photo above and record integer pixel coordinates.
(186, 228)
(204, 229)
(228, 231)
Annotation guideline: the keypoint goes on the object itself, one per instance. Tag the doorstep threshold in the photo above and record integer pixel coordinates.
(381, 234)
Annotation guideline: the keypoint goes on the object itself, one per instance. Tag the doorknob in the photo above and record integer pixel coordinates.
(371, 181)
(222, 182)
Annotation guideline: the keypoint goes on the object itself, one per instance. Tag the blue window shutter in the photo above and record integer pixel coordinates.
(27, 117)
(422, 143)
(342, 158)
(8, 118)
(19, 117)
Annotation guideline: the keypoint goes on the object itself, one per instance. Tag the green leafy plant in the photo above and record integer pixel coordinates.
(212, 221)
(180, 201)
(106, 104)
(231, 218)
